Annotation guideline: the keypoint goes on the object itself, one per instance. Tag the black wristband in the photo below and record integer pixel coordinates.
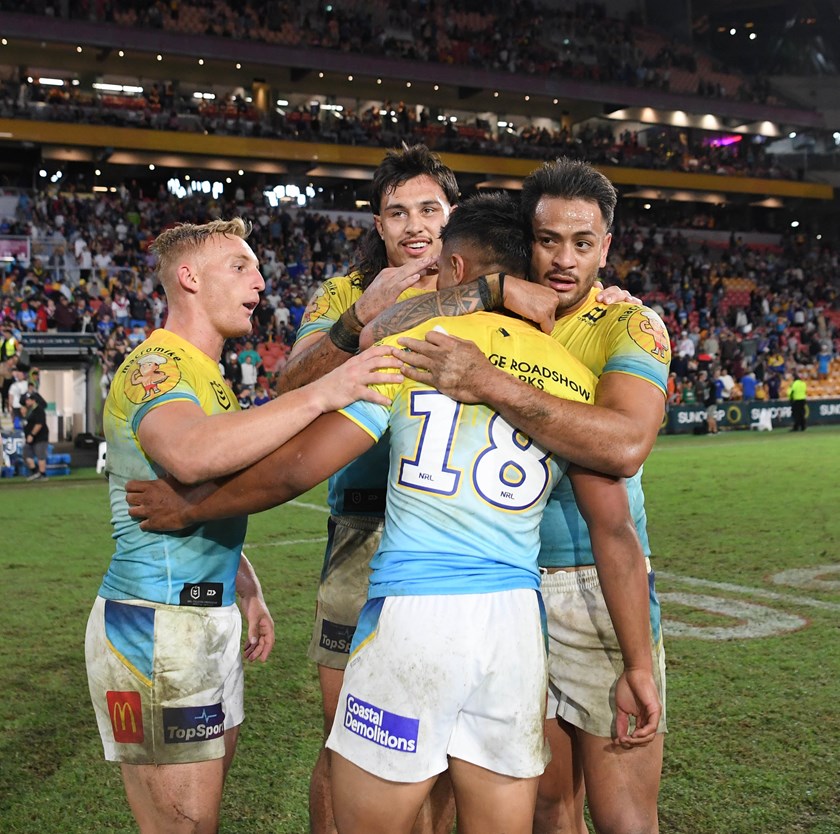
(351, 319)
(344, 338)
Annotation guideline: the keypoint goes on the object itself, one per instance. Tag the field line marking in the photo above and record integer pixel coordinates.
(285, 542)
(306, 506)
(743, 589)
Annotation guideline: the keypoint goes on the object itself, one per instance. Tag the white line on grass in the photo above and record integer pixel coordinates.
(285, 542)
(319, 507)
(742, 589)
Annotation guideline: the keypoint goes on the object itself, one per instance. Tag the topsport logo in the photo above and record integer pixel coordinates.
(184, 724)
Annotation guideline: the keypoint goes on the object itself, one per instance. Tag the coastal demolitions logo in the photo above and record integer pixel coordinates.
(387, 729)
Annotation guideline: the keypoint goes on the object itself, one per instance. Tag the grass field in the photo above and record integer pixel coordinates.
(745, 530)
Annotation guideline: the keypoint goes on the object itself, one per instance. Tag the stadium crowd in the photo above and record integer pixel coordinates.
(388, 124)
(581, 41)
(742, 309)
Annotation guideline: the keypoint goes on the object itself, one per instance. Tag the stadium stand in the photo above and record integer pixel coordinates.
(714, 265)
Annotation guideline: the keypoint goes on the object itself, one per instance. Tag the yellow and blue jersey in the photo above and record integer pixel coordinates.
(616, 338)
(623, 338)
(358, 488)
(466, 490)
(200, 562)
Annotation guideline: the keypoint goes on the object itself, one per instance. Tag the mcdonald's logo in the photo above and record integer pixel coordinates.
(126, 716)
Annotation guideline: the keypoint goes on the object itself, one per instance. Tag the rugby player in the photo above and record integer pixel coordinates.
(162, 643)
(412, 196)
(568, 210)
(451, 600)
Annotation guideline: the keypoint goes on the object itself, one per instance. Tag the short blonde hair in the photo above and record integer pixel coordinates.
(185, 237)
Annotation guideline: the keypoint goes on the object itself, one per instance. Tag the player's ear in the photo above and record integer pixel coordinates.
(605, 250)
(377, 221)
(187, 276)
(459, 268)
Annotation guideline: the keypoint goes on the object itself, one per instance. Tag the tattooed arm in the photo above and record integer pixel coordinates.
(528, 300)
(453, 301)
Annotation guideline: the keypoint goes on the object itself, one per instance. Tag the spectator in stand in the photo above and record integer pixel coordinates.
(673, 390)
(776, 363)
(262, 394)
(104, 325)
(158, 309)
(247, 351)
(264, 316)
(244, 398)
(725, 383)
(824, 360)
(26, 317)
(84, 319)
(711, 345)
(748, 386)
(120, 306)
(65, 316)
(136, 336)
(248, 371)
(140, 311)
(282, 319)
(8, 343)
(774, 385)
(296, 311)
(118, 342)
(42, 315)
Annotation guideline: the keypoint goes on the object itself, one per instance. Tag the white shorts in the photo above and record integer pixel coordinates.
(584, 658)
(437, 676)
(343, 590)
(166, 681)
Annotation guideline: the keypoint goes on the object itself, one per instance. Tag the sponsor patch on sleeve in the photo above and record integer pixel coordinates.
(317, 306)
(150, 374)
(648, 331)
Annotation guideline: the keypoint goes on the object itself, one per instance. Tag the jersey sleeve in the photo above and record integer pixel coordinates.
(370, 417)
(329, 301)
(169, 382)
(185, 394)
(640, 346)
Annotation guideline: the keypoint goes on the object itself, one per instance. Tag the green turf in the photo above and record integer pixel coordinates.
(753, 747)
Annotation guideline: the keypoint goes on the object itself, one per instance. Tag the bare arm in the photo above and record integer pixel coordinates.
(310, 360)
(252, 604)
(194, 446)
(317, 355)
(320, 450)
(620, 563)
(615, 436)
